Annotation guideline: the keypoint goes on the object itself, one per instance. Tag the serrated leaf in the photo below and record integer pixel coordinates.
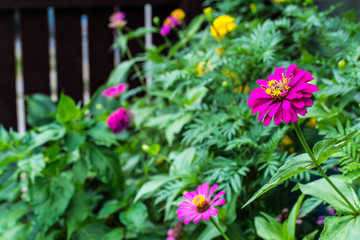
(176, 126)
(293, 166)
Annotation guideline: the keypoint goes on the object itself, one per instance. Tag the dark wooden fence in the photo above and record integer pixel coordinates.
(33, 30)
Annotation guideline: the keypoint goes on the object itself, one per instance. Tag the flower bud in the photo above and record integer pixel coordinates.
(225, 84)
(145, 147)
(156, 21)
(342, 64)
(208, 13)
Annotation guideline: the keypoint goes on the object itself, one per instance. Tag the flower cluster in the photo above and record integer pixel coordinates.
(283, 96)
(199, 205)
(117, 20)
(171, 21)
(203, 67)
(115, 91)
(175, 232)
(119, 120)
(221, 26)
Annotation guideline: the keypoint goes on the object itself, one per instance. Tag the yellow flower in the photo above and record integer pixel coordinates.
(279, 1)
(219, 51)
(241, 89)
(178, 14)
(203, 67)
(159, 160)
(287, 141)
(221, 26)
(312, 122)
(208, 13)
(253, 7)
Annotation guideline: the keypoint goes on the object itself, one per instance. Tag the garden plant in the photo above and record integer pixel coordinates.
(241, 124)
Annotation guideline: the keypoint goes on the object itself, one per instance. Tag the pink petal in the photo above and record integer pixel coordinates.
(267, 120)
(188, 219)
(206, 216)
(286, 104)
(212, 190)
(213, 211)
(290, 70)
(277, 117)
(197, 218)
(306, 95)
(301, 111)
(189, 196)
(299, 95)
(286, 115)
(291, 96)
(274, 109)
(308, 102)
(262, 82)
(260, 107)
(186, 204)
(218, 202)
(298, 103)
(217, 196)
(203, 189)
(279, 73)
(188, 212)
(294, 117)
(271, 77)
(297, 77)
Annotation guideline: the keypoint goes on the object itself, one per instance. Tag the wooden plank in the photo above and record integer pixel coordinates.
(7, 70)
(68, 51)
(35, 50)
(12, 4)
(100, 41)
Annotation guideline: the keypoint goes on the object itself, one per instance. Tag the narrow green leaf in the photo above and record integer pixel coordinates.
(291, 224)
(295, 165)
(268, 228)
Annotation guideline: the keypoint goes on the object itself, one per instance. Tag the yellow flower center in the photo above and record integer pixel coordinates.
(277, 89)
(199, 201)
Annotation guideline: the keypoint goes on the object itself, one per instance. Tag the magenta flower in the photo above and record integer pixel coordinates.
(283, 96)
(119, 120)
(200, 205)
(115, 91)
(175, 232)
(169, 23)
(321, 219)
(117, 20)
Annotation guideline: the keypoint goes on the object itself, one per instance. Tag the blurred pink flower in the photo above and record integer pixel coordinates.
(169, 23)
(200, 205)
(115, 91)
(175, 232)
(283, 96)
(117, 20)
(321, 219)
(119, 120)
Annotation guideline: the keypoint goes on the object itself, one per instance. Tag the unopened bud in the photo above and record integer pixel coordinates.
(145, 147)
(225, 84)
(342, 64)
(156, 21)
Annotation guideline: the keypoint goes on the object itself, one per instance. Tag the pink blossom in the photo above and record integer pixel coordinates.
(119, 120)
(283, 96)
(117, 20)
(175, 232)
(165, 29)
(115, 91)
(169, 23)
(199, 205)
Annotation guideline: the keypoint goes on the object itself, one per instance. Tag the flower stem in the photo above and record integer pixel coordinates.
(313, 159)
(137, 70)
(219, 229)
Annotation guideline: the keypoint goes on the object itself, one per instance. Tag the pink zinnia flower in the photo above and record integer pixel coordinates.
(283, 96)
(169, 23)
(175, 232)
(117, 20)
(119, 120)
(115, 91)
(200, 204)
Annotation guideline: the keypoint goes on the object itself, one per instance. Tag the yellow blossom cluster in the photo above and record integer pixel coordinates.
(221, 26)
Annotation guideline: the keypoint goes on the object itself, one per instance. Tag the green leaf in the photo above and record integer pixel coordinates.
(321, 189)
(182, 161)
(175, 127)
(195, 95)
(41, 110)
(73, 140)
(323, 149)
(311, 236)
(109, 208)
(32, 165)
(102, 135)
(77, 212)
(49, 199)
(115, 234)
(47, 133)
(153, 150)
(119, 73)
(140, 32)
(92, 231)
(155, 183)
(134, 217)
(268, 228)
(210, 232)
(341, 228)
(67, 110)
(80, 170)
(295, 165)
(107, 165)
(291, 224)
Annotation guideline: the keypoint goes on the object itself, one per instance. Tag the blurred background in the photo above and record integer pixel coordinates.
(65, 45)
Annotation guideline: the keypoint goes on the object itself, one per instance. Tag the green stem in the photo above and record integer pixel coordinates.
(219, 229)
(313, 159)
(137, 69)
